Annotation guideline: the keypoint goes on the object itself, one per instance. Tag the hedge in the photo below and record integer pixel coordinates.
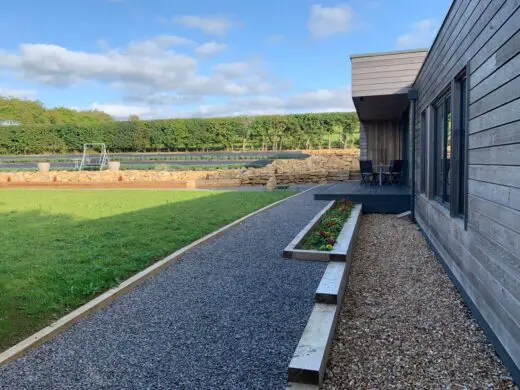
(275, 132)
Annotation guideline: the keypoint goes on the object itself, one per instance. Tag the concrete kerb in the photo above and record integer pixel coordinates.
(308, 364)
(290, 251)
(340, 251)
(100, 302)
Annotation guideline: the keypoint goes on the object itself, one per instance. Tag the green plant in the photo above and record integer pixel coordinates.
(270, 132)
(161, 167)
(323, 237)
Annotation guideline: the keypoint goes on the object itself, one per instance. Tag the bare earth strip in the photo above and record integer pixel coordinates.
(403, 324)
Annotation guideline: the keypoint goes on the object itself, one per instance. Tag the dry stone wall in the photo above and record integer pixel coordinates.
(315, 169)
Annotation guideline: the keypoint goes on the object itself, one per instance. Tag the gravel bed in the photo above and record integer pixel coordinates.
(228, 315)
(403, 325)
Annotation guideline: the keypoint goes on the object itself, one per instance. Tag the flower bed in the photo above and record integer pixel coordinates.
(324, 236)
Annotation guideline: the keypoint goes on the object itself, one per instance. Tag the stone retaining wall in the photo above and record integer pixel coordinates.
(315, 169)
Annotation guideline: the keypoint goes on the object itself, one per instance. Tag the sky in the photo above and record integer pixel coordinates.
(170, 58)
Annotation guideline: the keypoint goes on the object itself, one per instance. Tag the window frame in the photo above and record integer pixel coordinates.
(460, 137)
(424, 152)
(453, 193)
(439, 136)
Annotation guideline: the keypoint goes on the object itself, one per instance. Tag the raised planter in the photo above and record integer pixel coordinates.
(307, 367)
(341, 250)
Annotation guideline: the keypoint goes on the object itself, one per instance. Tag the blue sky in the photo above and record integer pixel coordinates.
(168, 58)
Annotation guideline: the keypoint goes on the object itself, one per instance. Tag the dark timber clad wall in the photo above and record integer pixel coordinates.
(485, 259)
(383, 141)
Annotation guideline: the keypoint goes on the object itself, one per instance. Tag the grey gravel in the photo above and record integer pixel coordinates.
(403, 325)
(228, 315)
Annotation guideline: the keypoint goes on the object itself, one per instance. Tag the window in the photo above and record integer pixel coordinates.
(423, 152)
(447, 150)
(447, 183)
(442, 149)
(461, 118)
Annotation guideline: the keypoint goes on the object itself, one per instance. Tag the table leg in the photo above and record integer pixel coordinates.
(380, 176)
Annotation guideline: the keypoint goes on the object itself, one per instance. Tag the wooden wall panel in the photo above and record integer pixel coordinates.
(485, 257)
(385, 73)
(383, 141)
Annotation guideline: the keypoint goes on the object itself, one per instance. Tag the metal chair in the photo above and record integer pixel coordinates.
(368, 176)
(393, 176)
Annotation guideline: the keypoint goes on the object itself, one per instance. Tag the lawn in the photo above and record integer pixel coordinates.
(60, 248)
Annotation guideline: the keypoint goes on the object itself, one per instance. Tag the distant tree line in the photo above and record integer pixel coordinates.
(34, 112)
(62, 130)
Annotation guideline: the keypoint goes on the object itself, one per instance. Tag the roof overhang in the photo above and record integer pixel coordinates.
(380, 107)
(381, 81)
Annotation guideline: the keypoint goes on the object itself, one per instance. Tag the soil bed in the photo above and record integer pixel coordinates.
(403, 324)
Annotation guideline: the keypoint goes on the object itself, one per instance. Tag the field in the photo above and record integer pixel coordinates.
(60, 248)
(191, 161)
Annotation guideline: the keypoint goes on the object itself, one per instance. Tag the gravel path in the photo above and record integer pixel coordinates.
(228, 315)
(403, 325)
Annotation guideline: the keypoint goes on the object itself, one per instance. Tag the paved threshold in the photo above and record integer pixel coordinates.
(228, 315)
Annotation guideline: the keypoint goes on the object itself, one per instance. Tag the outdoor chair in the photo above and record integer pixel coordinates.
(393, 176)
(368, 176)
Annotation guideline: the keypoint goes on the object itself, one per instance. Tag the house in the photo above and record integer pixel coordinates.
(453, 113)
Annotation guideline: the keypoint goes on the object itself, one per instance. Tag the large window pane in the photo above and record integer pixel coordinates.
(422, 186)
(447, 148)
(462, 143)
(439, 144)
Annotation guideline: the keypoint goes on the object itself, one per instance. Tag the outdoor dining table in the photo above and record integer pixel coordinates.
(381, 168)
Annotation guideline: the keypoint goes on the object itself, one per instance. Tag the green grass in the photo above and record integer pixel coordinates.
(60, 248)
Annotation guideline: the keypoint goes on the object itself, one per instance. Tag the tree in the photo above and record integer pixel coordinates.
(349, 128)
(244, 127)
(63, 129)
(133, 117)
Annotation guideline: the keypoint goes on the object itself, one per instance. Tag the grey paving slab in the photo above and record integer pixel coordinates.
(228, 315)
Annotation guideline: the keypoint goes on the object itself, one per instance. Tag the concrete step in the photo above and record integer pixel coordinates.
(333, 283)
(310, 358)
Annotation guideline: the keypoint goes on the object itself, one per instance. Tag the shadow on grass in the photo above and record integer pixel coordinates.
(52, 263)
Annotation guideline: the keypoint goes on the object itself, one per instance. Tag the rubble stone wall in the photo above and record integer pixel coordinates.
(315, 169)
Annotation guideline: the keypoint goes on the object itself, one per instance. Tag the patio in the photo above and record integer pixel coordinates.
(391, 199)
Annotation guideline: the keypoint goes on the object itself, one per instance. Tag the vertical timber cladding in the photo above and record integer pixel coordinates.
(384, 141)
(485, 259)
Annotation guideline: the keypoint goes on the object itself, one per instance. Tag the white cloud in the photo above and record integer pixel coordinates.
(275, 39)
(153, 80)
(421, 35)
(18, 93)
(325, 22)
(211, 25)
(120, 110)
(163, 98)
(239, 69)
(55, 65)
(156, 45)
(143, 67)
(324, 100)
(210, 48)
